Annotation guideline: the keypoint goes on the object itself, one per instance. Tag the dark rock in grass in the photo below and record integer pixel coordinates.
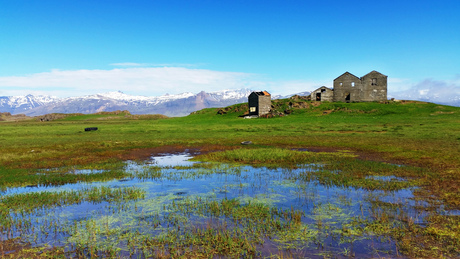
(246, 143)
(91, 129)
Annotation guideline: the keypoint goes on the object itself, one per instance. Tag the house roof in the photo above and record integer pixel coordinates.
(373, 71)
(323, 87)
(346, 73)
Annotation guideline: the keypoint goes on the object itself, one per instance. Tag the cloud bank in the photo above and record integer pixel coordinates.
(135, 80)
(431, 90)
(146, 81)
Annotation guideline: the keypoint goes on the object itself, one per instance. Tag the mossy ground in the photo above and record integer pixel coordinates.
(365, 138)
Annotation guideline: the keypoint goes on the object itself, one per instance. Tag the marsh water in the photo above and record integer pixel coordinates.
(333, 222)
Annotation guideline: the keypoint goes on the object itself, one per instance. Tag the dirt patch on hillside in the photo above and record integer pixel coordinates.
(6, 116)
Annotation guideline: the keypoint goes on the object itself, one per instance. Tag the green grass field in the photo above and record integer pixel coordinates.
(368, 139)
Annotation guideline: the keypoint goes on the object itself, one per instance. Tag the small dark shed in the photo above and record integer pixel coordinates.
(260, 103)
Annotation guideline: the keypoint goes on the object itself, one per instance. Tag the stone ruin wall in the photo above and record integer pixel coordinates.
(371, 87)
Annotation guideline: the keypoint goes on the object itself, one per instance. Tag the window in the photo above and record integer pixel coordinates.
(252, 109)
(352, 84)
(323, 90)
(340, 84)
(374, 81)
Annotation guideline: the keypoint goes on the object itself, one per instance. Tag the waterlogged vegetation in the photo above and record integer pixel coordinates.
(334, 180)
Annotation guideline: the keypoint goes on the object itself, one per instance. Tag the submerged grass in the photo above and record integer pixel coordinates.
(59, 176)
(30, 202)
(339, 169)
(205, 226)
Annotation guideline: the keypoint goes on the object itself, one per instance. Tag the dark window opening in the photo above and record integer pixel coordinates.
(323, 90)
(374, 81)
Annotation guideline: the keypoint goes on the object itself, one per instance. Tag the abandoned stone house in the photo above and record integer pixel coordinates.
(260, 103)
(322, 94)
(350, 88)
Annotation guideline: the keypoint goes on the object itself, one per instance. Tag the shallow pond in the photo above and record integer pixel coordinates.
(172, 206)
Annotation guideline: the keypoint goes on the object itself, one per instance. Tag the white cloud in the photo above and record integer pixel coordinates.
(146, 81)
(440, 91)
(138, 81)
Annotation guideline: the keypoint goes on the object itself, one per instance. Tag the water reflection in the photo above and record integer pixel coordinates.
(168, 160)
(328, 211)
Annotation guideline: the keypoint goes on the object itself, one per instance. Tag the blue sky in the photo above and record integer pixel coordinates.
(69, 48)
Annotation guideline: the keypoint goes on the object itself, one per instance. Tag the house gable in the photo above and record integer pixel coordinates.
(346, 75)
(374, 73)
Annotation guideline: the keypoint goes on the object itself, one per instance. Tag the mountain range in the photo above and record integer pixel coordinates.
(169, 105)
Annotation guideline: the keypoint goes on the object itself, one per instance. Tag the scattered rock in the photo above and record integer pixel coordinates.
(298, 97)
(56, 116)
(246, 143)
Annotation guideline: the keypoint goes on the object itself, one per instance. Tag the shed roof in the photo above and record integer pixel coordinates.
(261, 93)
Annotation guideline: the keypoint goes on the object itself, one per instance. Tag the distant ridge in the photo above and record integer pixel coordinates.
(169, 105)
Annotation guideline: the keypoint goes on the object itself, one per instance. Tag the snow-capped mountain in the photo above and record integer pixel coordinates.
(179, 104)
(170, 105)
(21, 104)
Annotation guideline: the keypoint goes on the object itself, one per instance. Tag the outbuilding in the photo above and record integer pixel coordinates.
(322, 94)
(260, 103)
